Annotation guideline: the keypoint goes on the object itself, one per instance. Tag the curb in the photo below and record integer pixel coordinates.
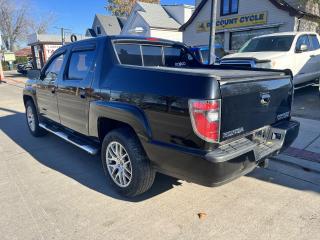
(305, 165)
(302, 154)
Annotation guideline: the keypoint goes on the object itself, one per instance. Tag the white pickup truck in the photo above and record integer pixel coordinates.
(298, 52)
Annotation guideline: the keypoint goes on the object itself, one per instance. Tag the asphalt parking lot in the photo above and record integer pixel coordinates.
(52, 190)
(307, 103)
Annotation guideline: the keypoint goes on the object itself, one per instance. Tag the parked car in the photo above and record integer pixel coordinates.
(23, 68)
(298, 52)
(202, 53)
(148, 106)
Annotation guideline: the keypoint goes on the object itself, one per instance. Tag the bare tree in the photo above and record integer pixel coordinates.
(13, 23)
(16, 22)
(42, 24)
(122, 8)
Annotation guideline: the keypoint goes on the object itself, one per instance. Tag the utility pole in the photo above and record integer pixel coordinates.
(213, 20)
(63, 37)
(1, 70)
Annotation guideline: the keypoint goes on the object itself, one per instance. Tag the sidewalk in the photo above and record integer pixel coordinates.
(304, 154)
(307, 145)
(14, 78)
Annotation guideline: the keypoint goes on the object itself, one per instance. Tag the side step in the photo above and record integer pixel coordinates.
(73, 139)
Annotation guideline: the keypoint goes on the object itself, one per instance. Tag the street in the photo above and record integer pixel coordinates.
(52, 190)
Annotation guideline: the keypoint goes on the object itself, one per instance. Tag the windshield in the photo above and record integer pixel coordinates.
(268, 44)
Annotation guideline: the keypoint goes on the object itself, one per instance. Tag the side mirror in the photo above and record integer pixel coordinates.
(302, 48)
(34, 74)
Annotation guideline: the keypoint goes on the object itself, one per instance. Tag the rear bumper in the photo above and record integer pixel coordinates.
(224, 164)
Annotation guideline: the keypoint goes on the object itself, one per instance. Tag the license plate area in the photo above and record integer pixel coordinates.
(269, 140)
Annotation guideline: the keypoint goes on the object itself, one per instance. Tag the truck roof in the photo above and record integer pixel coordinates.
(127, 37)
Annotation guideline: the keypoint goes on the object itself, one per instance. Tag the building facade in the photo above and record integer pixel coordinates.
(155, 20)
(44, 45)
(104, 25)
(240, 20)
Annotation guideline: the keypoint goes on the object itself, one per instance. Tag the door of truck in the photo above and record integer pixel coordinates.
(47, 86)
(303, 61)
(75, 87)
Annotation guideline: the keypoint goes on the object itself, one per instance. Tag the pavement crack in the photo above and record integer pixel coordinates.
(312, 142)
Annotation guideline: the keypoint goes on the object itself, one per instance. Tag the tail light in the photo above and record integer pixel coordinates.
(205, 118)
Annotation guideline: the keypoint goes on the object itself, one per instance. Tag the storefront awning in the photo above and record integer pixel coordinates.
(251, 28)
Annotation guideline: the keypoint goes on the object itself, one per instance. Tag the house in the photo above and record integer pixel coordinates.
(105, 26)
(23, 52)
(240, 20)
(155, 20)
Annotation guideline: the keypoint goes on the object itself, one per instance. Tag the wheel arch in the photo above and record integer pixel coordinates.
(106, 116)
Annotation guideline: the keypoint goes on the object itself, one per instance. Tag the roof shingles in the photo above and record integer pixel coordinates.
(156, 16)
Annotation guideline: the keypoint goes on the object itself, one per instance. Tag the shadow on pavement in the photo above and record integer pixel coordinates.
(283, 179)
(67, 159)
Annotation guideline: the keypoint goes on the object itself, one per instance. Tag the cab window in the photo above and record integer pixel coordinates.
(177, 57)
(315, 42)
(152, 55)
(303, 40)
(54, 69)
(80, 64)
(129, 54)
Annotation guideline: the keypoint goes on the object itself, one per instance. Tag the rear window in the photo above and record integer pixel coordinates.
(152, 55)
(129, 54)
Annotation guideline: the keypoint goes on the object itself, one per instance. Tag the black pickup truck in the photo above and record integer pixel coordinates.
(149, 106)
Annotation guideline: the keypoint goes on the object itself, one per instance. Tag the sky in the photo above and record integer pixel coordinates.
(77, 15)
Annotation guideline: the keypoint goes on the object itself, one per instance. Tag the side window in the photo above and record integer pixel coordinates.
(303, 40)
(80, 63)
(129, 54)
(53, 70)
(98, 30)
(152, 55)
(315, 42)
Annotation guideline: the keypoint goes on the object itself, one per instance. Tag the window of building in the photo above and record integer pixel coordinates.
(80, 63)
(229, 7)
(315, 42)
(152, 55)
(129, 54)
(98, 30)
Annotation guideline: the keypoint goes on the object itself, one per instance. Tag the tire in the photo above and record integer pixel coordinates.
(33, 121)
(142, 173)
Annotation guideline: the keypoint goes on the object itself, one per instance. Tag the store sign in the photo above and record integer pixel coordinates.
(235, 22)
(9, 57)
(50, 49)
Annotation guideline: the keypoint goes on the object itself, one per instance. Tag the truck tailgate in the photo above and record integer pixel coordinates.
(251, 104)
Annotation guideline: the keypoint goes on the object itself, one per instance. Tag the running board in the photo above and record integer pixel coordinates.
(75, 140)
